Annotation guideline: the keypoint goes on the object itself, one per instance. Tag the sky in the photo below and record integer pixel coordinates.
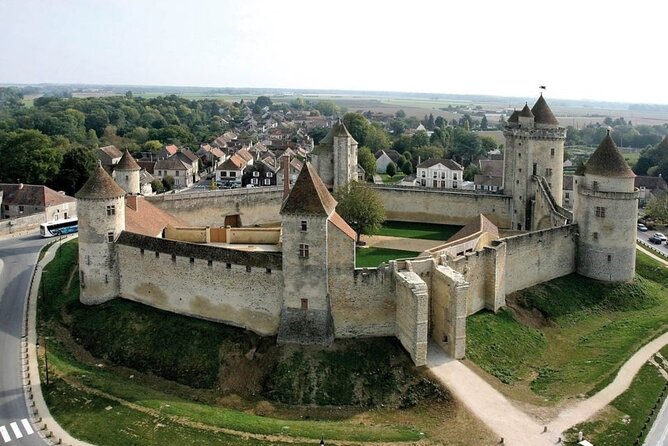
(585, 49)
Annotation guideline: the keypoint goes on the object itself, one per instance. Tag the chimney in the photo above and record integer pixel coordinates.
(133, 202)
(286, 176)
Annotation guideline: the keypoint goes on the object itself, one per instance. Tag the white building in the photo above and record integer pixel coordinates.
(440, 173)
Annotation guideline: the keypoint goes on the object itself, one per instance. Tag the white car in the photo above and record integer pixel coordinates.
(660, 236)
(642, 227)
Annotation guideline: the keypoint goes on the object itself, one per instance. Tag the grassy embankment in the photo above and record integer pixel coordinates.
(205, 383)
(630, 416)
(372, 257)
(391, 180)
(569, 336)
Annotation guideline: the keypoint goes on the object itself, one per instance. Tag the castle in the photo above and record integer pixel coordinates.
(299, 282)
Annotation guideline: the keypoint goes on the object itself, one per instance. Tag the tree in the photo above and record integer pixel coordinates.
(263, 101)
(488, 143)
(657, 207)
(78, 163)
(483, 123)
(168, 182)
(327, 108)
(397, 126)
(358, 126)
(152, 146)
(29, 157)
(368, 162)
(471, 171)
(440, 122)
(400, 114)
(361, 207)
(391, 170)
(420, 139)
(407, 168)
(377, 138)
(157, 186)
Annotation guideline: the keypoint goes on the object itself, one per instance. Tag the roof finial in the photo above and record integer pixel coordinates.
(608, 130)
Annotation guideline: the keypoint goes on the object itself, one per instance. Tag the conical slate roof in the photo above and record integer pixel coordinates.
(607, 161)
(338, 129)
(100, 186)
(309, 196)
(542, 112)
(526, 111)
(127, 162)
(514, 117)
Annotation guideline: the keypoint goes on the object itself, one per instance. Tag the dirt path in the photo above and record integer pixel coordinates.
(504, 419)
(654, 256)
(585, 409)
(406, 244)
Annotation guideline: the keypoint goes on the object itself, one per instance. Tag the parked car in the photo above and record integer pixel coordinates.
(657, 238)
(642, 227)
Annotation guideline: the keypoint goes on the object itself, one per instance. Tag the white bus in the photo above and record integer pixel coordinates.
(59, 227)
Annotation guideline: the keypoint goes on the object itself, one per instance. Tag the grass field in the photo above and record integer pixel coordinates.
(424, 231)
(372, 257)
(103, 402)
(395, 179)
(569, 336)
(623, 421)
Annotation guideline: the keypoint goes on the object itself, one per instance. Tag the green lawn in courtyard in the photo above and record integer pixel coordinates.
(372, 257)
(424, 231)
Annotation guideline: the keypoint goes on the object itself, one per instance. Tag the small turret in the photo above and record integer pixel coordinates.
(335, 157)
(606, 211)
(526, 117)
(543, 116)
(126, 174)
(101, 213)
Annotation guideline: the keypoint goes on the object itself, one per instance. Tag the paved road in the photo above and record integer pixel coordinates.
(658, 436)
(18, 256)
(645, 237)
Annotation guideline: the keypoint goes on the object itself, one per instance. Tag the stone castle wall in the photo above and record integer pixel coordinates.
(255, 206)
(243, 289)
(539, 256)
(444, 207)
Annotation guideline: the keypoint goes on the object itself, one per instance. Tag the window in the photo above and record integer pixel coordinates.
(269, 174)
(424, 174)
(552, 152)
(304, 225)
(303, 251)
(192, 260)
(423, 182)
(519, 155)
(535, 168)
(111, 210)
(141, 251)
(600, 211)
(248, 268)
(20, 208)
(454, 176)
(595, 235)
(256, 174)
(223, 174)
(548, 172)
(435, 174)
(110, 237)
(267, 182)
(454, 185)
(173, 257)
(594, 185)
(304, 304)
(127, 177)
(253, 180)
(520, 170)
(157, 254)
(228, 265)
(209, 263)
(609, 258)
(233, 174)
(267, 270)
(443, 175)
(82, 279)
(177, 173)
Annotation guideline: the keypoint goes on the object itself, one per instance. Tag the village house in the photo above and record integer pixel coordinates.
(384, 158)
(21, 200)
(231, 171)
(175, 168)
(491, 178)
(440, 173)
(108, 156)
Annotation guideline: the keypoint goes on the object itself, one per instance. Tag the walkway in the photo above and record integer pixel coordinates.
(406, 244)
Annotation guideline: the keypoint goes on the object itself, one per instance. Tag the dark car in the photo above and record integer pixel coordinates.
(656, 239)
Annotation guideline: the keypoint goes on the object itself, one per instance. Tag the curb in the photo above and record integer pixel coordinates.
(46, 425)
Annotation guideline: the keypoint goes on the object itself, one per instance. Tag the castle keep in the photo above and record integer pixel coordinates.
(298, 280)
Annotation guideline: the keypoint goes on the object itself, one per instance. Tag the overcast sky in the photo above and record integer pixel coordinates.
(605, 50)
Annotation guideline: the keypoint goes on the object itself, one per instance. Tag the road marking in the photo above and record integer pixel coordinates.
(27, 426)
(17, 431)
(5, 434)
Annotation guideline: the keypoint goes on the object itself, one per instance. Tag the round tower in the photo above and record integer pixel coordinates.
(606, 211)
(101, 213)
(534, 148)
(126, 174)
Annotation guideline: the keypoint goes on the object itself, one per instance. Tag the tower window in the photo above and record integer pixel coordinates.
(303, 250)
(127, 177)
(594, 185)
(248, 268)
(157, 254)
(82, 279)
(209, 263)
(110, 237)
(595, 235)
(552, 152)
(548, 172)
(173, 257)
(519, 155)
(609, 258)
(228, 265)
(304, 304)
(535, 168)
(267, 270)
(304, 225)
(192, 260)
(111, 210)
(600, 211)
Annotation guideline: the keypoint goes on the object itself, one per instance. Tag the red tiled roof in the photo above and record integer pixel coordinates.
(32, 195)
(148, 219)
(340, 223)
(235, 162)
(171, 149)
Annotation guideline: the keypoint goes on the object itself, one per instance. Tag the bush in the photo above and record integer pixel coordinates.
(391, 170)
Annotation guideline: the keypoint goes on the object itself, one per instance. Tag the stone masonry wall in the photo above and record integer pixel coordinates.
(237, 288)
(412, 315)
(256, 206)
(537, 257)
(444, 207)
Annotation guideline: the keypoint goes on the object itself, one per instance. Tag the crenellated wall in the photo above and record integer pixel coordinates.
(238, 288)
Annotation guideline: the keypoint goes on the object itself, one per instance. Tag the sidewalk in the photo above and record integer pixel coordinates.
(50, 430)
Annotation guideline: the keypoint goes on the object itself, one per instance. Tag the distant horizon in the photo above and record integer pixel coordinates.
(324, 91)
